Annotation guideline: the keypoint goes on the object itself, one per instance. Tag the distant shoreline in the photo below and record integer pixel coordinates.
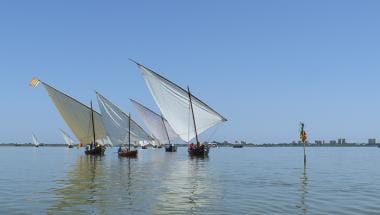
(214, 145)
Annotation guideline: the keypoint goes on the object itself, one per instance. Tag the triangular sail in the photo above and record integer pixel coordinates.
(157, 125)
(77, 116)
(35, 141)
(174, 104)
(69, 141)
(116, 123)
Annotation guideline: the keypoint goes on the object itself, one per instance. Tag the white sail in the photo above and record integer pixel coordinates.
(174, 104)
(69, 141)
(77, 116)
(116, 123)
(157, 125)
(35, 141)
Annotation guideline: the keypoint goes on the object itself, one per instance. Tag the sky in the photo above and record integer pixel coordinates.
(264, 65)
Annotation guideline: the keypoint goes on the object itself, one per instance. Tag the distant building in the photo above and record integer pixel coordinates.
(332, 141)
(342, 141)
(372, 141)
(318, 142)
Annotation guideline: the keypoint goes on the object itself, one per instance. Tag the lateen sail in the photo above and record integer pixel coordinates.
(174, 104)
(116, 123)
(156, 124)
(35, 141)
(69, 141)
(77, 116)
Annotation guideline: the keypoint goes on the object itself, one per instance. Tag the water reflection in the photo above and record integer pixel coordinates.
(304, 190)
(188, 188)
(82, 189)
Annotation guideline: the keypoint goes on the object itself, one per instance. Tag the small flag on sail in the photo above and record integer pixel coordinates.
(34, 82)
(303, 135)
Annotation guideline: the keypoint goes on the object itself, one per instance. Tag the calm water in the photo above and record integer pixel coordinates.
(50, 180)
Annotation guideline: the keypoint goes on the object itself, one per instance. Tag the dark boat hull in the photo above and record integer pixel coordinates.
(70, 146)
(96, 151)
(144, 147)
(237, 146)
(171, 148)
(199, 151)
(126, 153)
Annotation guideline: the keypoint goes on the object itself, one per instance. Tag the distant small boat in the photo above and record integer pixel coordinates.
(158, 125)
(127, 153)
(237, 146)
(171, 148)
(144, 147)
(35, 141)
(69, 141)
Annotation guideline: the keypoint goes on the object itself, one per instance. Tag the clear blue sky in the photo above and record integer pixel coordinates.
(264, 65)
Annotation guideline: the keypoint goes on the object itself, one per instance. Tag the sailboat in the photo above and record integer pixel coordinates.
(69, 141)
(94, 148)
(35, 141)
(186, 114)
(84, 122)
(120, 128)
(162, 132)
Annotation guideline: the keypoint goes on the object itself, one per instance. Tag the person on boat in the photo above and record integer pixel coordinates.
(119, 150)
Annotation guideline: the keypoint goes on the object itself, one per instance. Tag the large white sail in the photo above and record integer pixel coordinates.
(157, 125)
(116, 123)
(77, 115)
(174, 104)
(69, 141)
(35, 141)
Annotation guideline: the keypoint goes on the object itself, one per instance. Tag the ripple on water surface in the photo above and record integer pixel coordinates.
(230, 181)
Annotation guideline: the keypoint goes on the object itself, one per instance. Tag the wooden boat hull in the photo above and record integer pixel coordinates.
(132, 153)
(96, 151)
(171, 148)
(201, 151)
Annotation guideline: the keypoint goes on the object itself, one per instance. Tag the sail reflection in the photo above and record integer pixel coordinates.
(188, 188)
(82, 187)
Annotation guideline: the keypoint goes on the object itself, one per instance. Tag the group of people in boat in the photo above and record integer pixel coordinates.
(193, 146)
(92, 146)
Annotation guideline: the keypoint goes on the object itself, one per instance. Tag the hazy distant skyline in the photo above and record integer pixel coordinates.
(264, 65)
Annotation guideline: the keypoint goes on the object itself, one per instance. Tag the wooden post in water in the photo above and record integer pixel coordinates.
(303, 137)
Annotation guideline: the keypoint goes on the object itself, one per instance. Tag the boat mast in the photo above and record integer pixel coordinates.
(192, 112)
(92, 121)
(129, 132)
(166, 131)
